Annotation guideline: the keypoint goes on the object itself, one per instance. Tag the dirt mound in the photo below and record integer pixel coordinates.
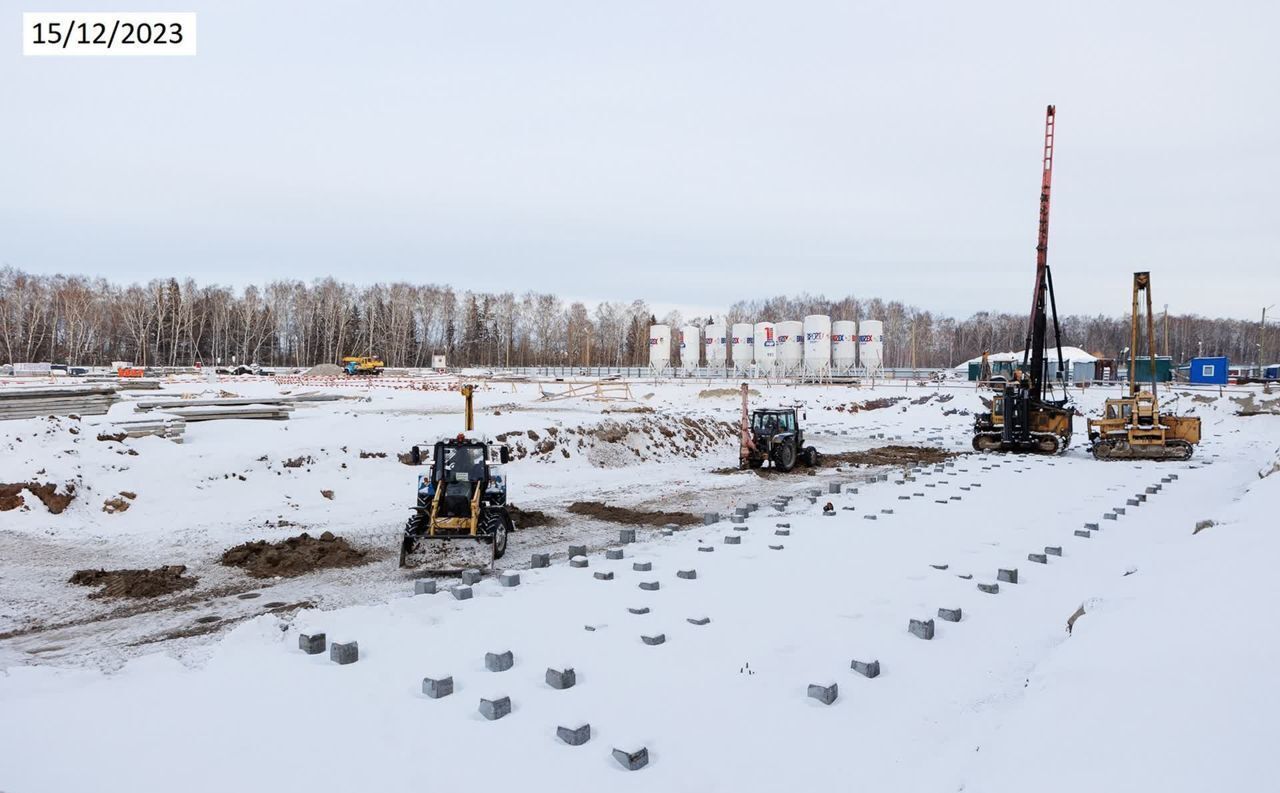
(529, 518)
(890, 455)
(632, 517)
(294, 556)
(713, 393)
(135, 583)
(323, 370)
(47, 492)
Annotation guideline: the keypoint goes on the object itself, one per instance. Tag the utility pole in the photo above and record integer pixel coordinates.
(1262, 340)
(1166, 331)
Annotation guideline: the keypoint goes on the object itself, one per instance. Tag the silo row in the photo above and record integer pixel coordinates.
(815, 347)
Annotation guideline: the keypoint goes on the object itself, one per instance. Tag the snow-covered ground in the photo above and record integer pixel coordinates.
(1165, 682)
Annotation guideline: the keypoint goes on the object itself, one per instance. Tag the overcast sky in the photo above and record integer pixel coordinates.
(688, 153)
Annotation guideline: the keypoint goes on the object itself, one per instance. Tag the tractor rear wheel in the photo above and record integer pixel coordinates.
(497, 525)
(784, 457)
(811, 457)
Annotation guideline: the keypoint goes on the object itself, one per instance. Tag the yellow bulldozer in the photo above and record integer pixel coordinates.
(1133, 427)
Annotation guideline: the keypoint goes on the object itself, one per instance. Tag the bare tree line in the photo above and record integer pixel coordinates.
(91, 321)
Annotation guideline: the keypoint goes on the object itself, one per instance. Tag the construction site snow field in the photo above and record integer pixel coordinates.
(893, 618)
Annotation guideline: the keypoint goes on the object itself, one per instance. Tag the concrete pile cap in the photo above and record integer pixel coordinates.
(687, 574)
(437, 687)
(1083, 533)
(344, 653)
(613, 554)
(733, 539)
(561, 679)
(922, 629)
(824, 694)
(950, 615)
(738, 519)
(574, 736)
(577, 550)
(472, 576)
(494, 709)
(641, 610)
(1038, 558)
(650, 586)
(710, 517)
(311, 643)
(706, 548)
(424, 586)
(698, 621)
(461, 592)
(1009, 576)
(642, 567)
(743, 527)
(940, 566)
(775, 547)
(626, 536)
(509, 579)
(604, 575)
(783, 525)
(866, 668)
(655, 639)
(1053, 550)
(499, 662)
(578, 561)
(782, 532)
(990, 589)
(540, 560)
(632, 761)
(1091, 526)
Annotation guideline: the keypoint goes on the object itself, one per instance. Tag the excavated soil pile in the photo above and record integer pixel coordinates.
(632, 517)
(529, 518)
(294, 556)
(890, 455)
(135, 583)
(873, 404)
(11, 495)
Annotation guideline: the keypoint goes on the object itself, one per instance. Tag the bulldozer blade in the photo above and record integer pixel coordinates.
(446, 556)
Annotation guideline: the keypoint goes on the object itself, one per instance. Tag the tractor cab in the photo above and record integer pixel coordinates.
(462, 495)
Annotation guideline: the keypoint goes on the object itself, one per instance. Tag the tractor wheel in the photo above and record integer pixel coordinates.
(811, 457)
(497, 525)
(784, 457)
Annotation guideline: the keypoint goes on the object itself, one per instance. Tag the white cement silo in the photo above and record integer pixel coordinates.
(717, 346)
(817, 345)
(766, 347)
(690, 347)
(790, 346)
(844, 346)
(871, 347)
(659, 347)
(742, 346)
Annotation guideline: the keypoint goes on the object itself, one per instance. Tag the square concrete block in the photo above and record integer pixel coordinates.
(698, 620)
(1091, 526)
(655, 639)
(1083, 533)
(866, 668)
(1141, 497)
(311, 643)
(344, 654)
(437, 687)
(738, 519)
(870, 517)
(1151, 491)
(641, 610)
(509, 579)
(1007, 576)
(650, 586)
(494, 709)
(424, 586)
(499, 662)
(577, 550)
(733, 539)
(990, 589)
(574, 736)
(1053, 550)
(1038, 558)
(833, 487)
(470, 577)
(1132, 502)
(950, 615)
(461, 593)
(561, 678)
(687, 574)
(602, 575)
(668, 532)
(710, 517)
(886, 512)
(613, 554)
(824, 694)
(1109, 516)
(706, 548)
(908, 498)
(921, 629)
(626, 536)
(632, 761)
(782, 525)
(577, 561)
(782, 532)
(540, 560)
(642, 567)
(744, 511)
(1118, 510)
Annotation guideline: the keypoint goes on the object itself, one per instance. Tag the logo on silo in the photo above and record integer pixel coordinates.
(768, 337)
(837, 337)
(865, 339)
(815, 336)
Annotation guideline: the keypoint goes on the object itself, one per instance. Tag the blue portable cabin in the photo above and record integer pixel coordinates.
(1209, 371)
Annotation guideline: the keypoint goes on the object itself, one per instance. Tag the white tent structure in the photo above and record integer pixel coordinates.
(1079, 364)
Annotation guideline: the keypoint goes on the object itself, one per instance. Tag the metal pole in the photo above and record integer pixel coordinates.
(1262, 341)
